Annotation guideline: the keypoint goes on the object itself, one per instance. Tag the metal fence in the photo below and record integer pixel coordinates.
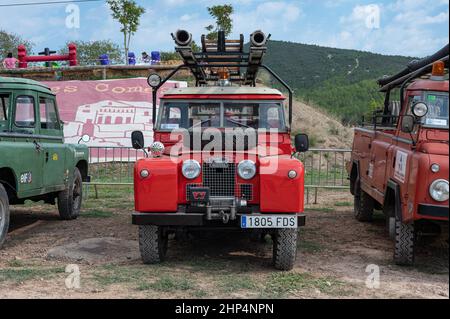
(324, 168)
(112, 165)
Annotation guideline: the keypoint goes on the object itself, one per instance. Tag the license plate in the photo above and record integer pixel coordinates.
(271, 221)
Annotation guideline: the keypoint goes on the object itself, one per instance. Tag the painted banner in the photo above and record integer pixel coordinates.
(108, 111)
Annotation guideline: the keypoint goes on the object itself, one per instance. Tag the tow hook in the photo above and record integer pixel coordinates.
(225, 217)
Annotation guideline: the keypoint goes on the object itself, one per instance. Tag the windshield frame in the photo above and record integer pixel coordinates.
(5, 122)
(222, 102)
(423, 99)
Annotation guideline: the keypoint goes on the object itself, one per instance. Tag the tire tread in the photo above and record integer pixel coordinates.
(404, 243)
(152, 244)
(65, 204)
(285, 248)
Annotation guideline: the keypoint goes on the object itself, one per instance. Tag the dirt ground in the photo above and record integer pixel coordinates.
(333, 253)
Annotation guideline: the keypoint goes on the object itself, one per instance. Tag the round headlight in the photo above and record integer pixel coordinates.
(247, 169)
(154, 80)
(157, 149)
(292, 174)
(439, 190)
(435, 168)
(420, 109)
(191, 169)
(144, 173)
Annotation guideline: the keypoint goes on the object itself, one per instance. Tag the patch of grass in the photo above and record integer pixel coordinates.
(280, 285)
(23, 274)
(168, 284)
(231, 283)
(309, 246)
(97, 214)
(199, 293)
(211, 264)
(16, 263)
(343, 204)
(116, 274)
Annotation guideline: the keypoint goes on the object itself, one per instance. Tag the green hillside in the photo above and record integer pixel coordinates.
(343, 82)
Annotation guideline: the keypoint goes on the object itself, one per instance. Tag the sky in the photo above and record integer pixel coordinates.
(398, 27)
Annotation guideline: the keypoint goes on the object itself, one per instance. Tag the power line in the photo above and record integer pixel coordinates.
(46, 3)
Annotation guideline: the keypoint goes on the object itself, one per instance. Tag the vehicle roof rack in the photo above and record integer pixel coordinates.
(415, 67)
(217, 55)
(221, 53)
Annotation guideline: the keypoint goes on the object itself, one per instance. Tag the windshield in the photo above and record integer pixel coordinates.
(188, 115)
(437, 115)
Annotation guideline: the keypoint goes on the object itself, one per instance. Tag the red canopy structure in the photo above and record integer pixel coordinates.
(24, 58)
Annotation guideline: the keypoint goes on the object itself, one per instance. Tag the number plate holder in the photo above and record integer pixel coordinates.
(269, 221)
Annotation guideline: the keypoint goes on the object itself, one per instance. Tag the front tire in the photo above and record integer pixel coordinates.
(4, 215)
(404, 243)
(153, 242)
(70, 199)
(285, 248)
(363, 204)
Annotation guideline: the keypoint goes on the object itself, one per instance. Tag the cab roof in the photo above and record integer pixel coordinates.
(23, 84)
(223, 90)
(428, 85)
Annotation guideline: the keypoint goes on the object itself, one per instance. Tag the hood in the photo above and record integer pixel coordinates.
(434, 147)
(259, 151)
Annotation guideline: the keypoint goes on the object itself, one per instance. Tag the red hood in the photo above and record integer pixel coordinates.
(436, 148)
(259, 151)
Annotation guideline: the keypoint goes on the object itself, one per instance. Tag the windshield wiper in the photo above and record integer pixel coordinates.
(238, 123)
(199, 123)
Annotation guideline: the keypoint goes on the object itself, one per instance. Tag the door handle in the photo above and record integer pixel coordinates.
(37, 146)
(46, 157)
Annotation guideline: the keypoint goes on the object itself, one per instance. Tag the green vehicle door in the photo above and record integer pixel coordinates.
(54, 151)
(24, 148)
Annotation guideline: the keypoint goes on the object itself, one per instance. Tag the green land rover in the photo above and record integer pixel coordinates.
(35, 164)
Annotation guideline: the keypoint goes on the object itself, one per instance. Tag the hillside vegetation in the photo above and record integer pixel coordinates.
(342, 82)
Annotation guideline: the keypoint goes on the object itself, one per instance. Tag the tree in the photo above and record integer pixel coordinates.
(9, 43)
(195, 47)
(88, 52)
(222, 15)
(128, 14)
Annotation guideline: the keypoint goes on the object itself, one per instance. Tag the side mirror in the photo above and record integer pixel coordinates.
(85, 138)
(137, 140)
(407, 124)
(301, 143)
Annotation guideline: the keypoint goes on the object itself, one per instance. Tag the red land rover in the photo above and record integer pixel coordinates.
(400, 159)
(222, 156)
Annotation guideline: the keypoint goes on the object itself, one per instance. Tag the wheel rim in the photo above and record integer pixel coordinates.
(2, 215)
(76, 194)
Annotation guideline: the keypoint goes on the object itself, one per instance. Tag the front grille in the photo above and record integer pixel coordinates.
(220, 180)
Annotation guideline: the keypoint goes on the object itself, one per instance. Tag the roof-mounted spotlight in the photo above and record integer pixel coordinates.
(182, 38)
(258, 38)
